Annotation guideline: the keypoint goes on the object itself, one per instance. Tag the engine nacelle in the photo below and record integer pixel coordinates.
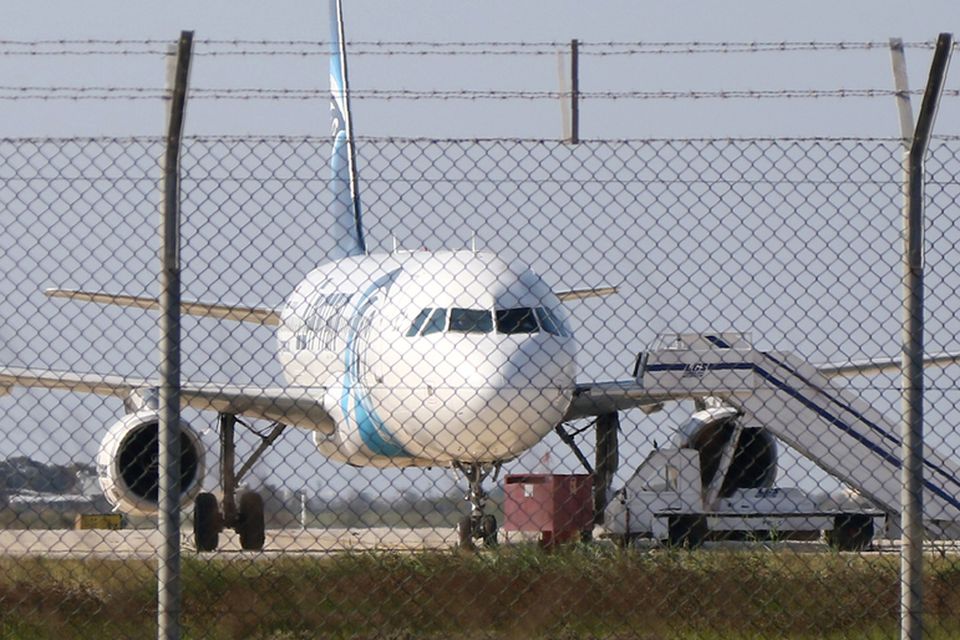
(754, 463)
(128, 463)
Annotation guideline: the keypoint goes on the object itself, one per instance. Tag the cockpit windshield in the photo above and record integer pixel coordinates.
(518, 320)
(436, 322)
(470, 321)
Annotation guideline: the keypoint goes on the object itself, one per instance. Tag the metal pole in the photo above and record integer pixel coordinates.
(574, 91)
(228, 456)
(168, 565)
(606, 459)
(911, 497)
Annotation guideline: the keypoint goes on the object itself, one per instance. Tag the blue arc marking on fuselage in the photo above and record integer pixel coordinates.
(826, 415)
(355, 401)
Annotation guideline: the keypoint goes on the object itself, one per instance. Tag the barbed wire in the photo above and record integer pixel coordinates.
(252, 93)
(314, 139)
(246, 47)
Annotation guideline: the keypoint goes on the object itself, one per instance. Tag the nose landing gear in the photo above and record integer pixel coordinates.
(478, 525)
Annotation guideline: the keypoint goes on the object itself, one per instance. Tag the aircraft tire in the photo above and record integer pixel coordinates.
(206, 522)
(251, 527)
(465, 533)
(488, 530)
(686, 531)
(851, 532)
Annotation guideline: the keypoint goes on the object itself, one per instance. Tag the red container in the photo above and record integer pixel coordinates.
(559, 506)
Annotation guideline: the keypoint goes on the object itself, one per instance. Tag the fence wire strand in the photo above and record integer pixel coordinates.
(240, 47)
(102, 93)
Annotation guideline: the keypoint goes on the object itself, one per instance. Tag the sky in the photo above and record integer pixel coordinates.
(500, 21)
(497, 20)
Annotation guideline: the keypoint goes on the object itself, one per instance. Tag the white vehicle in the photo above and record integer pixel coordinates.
(452, 358)
(720, 478)
(670, 498)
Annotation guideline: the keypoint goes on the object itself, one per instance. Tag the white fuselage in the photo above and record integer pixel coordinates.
(429, 358)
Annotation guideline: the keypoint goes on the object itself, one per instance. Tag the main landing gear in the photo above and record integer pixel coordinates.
(478, 525)
(245, 516)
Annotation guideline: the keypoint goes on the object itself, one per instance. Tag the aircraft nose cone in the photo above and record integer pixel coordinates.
(522, 398)
(496, 423)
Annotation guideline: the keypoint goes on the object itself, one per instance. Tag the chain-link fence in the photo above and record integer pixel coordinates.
(739, 479)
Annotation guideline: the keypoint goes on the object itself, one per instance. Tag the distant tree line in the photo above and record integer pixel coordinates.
(24, 474)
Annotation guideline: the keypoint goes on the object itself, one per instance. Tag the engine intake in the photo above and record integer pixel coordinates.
(128, 463)
(754, 463)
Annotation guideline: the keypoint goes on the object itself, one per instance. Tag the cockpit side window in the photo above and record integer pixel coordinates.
(549, 322)
(519, 320)
(418, 322)
(470, 321)
(436, 322)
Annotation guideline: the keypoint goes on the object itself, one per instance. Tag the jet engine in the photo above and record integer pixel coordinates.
(128, 463)
(751, 460)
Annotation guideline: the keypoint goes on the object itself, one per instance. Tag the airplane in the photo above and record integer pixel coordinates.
(452, 358)
(405, 359)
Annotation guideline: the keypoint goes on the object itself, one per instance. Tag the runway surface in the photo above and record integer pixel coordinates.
(144, 543)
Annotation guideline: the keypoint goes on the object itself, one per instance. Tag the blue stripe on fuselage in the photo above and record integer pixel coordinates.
(355, 401)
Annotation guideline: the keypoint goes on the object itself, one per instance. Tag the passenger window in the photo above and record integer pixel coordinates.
(516, 321)
(418, 322)
(436, 322)
(548, 321)
(471, 321)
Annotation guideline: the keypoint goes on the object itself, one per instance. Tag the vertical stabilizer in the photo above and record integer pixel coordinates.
(347, 225)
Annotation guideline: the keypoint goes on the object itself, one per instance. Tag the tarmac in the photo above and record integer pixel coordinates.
(145, 543)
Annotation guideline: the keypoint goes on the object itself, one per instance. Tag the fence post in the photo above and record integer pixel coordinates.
(168, 564)
(574, 91)
(911, 497)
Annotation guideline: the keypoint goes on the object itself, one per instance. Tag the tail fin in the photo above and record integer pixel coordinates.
(348, 227)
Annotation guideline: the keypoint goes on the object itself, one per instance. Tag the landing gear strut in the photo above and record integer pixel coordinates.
(245, 516)
(606, 459)
(478, 525)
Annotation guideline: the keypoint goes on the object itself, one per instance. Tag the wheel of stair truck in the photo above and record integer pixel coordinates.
(686, 531)
(851, 532)
(206, 522)
(250, 525)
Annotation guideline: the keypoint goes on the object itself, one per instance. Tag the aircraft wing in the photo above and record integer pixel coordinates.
(256, 315)
(297, 406)
(597, 398)
(566, 295)
(891, 365)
